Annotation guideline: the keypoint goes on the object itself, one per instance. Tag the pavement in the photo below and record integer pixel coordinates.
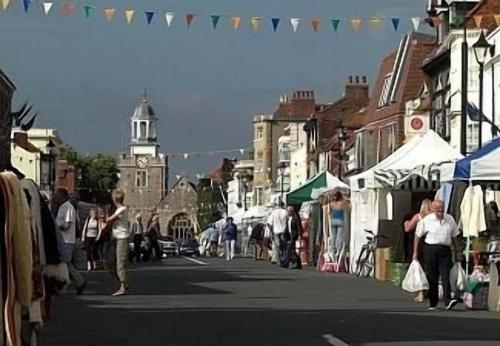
(211, 302)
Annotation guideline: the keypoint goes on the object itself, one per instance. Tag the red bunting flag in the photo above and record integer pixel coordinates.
(316, 22)
(189, 19)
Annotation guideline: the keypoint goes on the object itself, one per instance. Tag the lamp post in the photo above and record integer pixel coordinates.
(481, 49)
(51, 156)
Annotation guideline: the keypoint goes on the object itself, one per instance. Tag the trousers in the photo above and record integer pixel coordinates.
(438, 262)
(230, 244)
(74, 274)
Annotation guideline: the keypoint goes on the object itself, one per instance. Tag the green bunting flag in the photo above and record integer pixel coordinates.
(215, 20)
(335, 24)
(88, 10)
(149, 16)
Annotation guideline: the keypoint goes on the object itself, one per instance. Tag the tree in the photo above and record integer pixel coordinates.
(210, 204)
(98, 175)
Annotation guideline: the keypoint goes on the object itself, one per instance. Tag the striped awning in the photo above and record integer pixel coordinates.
(395, 177)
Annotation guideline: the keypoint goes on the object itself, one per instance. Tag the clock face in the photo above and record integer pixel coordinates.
(142, 162)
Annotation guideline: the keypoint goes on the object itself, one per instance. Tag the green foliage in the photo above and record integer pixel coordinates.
(98, 174)
(209, 201)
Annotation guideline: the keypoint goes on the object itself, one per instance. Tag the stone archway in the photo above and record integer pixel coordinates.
(181, 227)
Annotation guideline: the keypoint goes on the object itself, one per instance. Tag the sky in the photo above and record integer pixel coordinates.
(86, 76)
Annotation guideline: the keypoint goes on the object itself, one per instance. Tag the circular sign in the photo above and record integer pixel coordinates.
(416, 123)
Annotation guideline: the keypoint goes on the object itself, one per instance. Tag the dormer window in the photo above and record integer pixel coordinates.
(384, 95)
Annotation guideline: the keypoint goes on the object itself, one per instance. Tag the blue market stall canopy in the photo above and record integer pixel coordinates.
(323, 180)
(482, 165)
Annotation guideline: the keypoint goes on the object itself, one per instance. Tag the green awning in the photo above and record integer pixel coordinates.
(322, 180)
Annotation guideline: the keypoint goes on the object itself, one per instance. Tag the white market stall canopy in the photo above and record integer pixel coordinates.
(323, 181)
(482, 165)
(256, 212)
(421, 155)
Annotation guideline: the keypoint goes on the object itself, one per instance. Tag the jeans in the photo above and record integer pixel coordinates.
(74, 274)
(230, 249)
(438, 262)
(137, 247)
(337, 236)
(282, 250)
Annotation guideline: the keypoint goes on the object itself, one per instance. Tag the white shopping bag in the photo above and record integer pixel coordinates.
(415, 279)
(458, 279)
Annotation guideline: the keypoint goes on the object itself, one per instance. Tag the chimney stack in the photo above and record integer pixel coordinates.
(357, 88)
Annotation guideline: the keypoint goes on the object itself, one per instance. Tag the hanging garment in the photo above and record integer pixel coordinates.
(444, 194)
(457, 195)
(472, 220)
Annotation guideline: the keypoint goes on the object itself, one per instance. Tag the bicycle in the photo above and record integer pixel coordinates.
(366, 258)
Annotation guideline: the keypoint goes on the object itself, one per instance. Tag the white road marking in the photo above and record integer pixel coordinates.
(194, 260)
(333, 340)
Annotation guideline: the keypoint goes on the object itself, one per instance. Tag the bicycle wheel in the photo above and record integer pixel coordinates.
(368, 265)
(362, 258)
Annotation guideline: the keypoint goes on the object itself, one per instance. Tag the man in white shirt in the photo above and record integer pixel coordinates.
(278, 222)
(66, 222)
(440, 231)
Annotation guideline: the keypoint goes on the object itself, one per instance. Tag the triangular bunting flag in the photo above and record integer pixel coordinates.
(236, 22)
(5, 4)
(26, 4)
(295, 23)
(215, 20)
(315, 22)
(335, 24)
(276, 22)
(242, 151)
(169, 17)
(356, 24)
(395, 23)
(109, 13)
(149, 16)
(129, 15)
(68, 9)
(497, 19)
(376, 23)
(416, 23)
(186, 156)
(256, 23)
(47, 6)
(189, 19)
(477, 20)
(88, 11)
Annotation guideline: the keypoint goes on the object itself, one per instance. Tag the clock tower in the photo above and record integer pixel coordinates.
(143, 170)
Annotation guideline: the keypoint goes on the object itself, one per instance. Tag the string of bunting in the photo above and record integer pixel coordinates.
(169, 18)
(200, 154)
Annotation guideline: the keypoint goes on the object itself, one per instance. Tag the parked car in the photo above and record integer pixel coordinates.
(168, 246)
(189, 248)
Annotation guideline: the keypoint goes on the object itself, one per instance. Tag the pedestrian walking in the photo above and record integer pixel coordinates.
(278, 223)
(154, 235)
(294, 227)
(121, 234)
(89, 238)
(137, 232)
(230, 233)
(66, 222)
(214, 242)
(440, 231)
(220, 225)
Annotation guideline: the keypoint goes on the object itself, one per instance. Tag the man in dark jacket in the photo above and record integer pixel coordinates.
(230, 233)
(294, 228)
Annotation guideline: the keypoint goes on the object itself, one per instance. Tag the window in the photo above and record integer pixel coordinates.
(384, 95)
(391, 138)
(259, 132)
(284, 152)
(141, 178)
(143, 130)
(472, 137)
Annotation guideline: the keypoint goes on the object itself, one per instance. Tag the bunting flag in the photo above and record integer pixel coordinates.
(88, 10)
(256, 23)
(477, 20)
(242, 151)
(236, 22)
(47, 6)
(276, 22)
(109, 13)
(5, 4)
(295, 23)
(497, 19)
(215, 20)
(169, 17)
(189, 19)
(149, 16)
(376, 23)
(356, 24)
(26, 5)
(395, 23)
(186, 156)
(335, 24)
(416, 22)
(68, 9)
(129, 15)
(315, 22)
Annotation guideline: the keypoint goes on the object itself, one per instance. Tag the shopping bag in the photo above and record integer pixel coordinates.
(415, 279)
(458, 279)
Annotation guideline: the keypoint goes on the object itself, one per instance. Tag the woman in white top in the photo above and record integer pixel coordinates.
(121, 234)
(89, 238)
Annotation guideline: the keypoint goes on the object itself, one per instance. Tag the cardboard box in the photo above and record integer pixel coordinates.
(382, 263)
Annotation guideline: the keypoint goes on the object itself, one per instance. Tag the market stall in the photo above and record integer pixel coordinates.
(312, 188)
(382, 195)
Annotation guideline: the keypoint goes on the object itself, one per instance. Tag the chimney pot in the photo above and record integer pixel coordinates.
(357, 79)
(364, 79)
(350, 79)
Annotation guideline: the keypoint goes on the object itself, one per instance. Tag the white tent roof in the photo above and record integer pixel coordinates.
(257, 211)
(419, 156)
(332, 183)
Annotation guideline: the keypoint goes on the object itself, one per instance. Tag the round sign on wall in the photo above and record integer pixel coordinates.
(416, 124)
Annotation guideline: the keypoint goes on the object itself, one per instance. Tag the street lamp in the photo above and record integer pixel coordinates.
(481, 49)
(342, 136)
(281, 170)
(51, 156)
(244, 179)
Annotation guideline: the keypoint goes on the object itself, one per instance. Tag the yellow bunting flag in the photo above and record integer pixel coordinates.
(5, 4)
(376, 23)
(497, 19)
(109, 13)
(477, 20)
(129, 15)
(68, 9)
(356, 24)
(236, 21)
(256, 23)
